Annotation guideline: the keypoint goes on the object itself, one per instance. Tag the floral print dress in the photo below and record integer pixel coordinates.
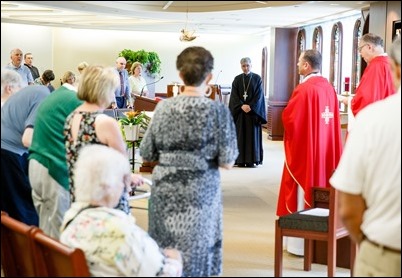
(86, 136)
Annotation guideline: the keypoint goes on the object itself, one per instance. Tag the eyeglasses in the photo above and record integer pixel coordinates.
(361, 47)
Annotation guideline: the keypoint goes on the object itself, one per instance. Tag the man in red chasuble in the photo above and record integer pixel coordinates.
(312, 137)
(376, 82)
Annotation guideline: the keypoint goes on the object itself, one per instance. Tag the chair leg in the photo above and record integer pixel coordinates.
(331, 257)
(308, 254)
(278, 250)
(353, 251)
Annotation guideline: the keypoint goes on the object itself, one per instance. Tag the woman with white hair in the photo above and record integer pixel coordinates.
(112, 242)
(11, 82)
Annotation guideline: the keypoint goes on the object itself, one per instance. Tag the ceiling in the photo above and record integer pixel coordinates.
(212, 17)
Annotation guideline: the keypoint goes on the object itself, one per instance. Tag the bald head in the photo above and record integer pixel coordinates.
(120, 63)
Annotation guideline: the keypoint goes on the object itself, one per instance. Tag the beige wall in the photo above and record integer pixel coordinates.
(61, 49)
(29, 38)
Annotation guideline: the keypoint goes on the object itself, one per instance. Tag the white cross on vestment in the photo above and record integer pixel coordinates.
(327, 115)
(245, 95)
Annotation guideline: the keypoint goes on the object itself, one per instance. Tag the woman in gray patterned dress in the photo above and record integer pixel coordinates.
(190, 136)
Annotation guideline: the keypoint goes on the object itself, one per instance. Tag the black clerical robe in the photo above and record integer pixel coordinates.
(248, 89)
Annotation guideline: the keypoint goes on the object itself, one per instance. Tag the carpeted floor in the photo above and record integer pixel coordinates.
(249, 201)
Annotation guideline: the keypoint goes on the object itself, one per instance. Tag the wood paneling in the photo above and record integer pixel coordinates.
(144, 103)
(275, 125)
(282, 78)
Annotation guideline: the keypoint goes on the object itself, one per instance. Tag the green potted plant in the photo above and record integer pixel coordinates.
(154, 63)
(133, 124)
(150, 60)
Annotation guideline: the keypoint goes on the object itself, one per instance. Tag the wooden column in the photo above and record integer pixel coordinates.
(283, 74)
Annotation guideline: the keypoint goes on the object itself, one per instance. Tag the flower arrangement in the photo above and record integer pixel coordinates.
(134, 125)
(134, 118)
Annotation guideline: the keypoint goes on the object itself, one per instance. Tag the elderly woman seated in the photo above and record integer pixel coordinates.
(112, 242)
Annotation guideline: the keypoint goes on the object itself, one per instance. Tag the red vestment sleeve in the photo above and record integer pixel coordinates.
(375, 84)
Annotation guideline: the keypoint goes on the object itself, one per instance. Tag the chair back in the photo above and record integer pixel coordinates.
(17, 257)
(321, 197)
(328, 198)
(59, 260)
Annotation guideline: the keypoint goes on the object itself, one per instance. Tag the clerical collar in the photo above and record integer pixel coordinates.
(313, 72)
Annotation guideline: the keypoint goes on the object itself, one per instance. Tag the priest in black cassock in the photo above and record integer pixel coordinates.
(247, 104)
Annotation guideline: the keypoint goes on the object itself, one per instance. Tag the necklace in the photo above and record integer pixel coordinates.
(248, 85)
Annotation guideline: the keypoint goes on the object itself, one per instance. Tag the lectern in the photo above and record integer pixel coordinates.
(144, 103)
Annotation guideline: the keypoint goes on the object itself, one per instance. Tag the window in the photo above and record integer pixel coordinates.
(336, 57)
(356, 58)
(301, 46)
(317, 40)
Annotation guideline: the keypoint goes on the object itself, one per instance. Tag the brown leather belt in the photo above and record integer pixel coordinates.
(381, 246)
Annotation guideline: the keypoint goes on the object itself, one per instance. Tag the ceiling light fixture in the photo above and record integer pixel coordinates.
(187, 35)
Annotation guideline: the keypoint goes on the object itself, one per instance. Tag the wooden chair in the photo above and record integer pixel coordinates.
(303, 224)
(56, 259)
(17, 257)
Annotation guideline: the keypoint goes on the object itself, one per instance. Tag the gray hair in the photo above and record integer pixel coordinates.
(10, 78)
(99, 172)
(373, 39)
(245, 60)
(15, 50)
(395, 51)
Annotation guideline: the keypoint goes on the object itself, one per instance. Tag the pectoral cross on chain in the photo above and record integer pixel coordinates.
(248, 85)
(326, 115)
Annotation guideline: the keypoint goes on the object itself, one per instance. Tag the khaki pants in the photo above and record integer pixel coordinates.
(50, 199)
(374, 261)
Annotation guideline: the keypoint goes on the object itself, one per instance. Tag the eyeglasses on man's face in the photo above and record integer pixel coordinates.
(362, 46)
